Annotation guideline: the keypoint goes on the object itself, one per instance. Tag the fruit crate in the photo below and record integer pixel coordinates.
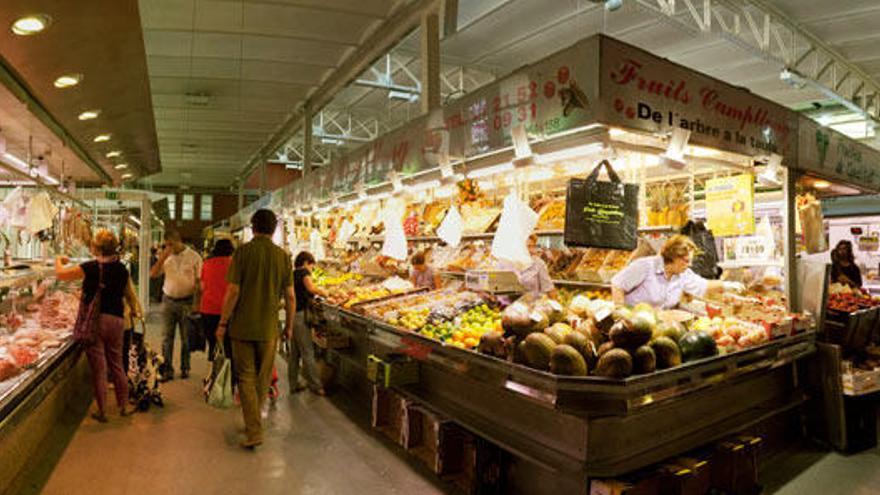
(389, 413)
(392, 370)
(328, 339)
(435, 440)
(493, 281)
(484, 470)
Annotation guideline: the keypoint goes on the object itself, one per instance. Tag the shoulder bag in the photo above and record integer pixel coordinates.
(85, 328)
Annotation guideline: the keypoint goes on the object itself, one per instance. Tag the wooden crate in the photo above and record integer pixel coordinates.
(435, 440)
(734, 466)
(484, 470)
(389, 413)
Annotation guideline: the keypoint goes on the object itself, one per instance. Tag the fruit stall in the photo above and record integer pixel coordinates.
(572, 386)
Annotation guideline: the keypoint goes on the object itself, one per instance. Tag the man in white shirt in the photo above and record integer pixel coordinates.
(181, 267)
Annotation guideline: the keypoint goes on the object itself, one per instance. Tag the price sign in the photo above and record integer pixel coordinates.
(753, 248)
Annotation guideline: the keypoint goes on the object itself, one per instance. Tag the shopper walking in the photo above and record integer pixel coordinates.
(213, 282)
(301, 346)
(106, 352)
(181, 267)
(259, 276)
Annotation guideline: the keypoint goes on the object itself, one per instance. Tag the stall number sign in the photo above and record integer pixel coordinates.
(753, 248)
(869, 243)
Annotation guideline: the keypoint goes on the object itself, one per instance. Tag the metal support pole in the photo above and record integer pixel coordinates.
(240, 195)
(146, 241)
(307, 140)
(430, 57)
(789, 191)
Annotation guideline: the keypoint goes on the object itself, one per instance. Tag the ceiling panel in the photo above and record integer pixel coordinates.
(225, 74)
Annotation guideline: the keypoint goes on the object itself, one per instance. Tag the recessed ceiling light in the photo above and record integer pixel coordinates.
(121, 166)
(89, 114)
(114, 154)
(821, 184)
(68, 80)
(31, 24)
(126, 176)
(102, 138)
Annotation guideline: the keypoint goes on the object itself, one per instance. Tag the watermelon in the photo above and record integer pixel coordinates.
(697, 344)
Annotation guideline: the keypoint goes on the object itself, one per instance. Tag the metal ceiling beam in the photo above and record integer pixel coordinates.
(769, 33)
(378, 42)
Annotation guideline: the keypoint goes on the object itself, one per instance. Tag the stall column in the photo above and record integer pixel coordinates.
(146, 239)
(789, 190)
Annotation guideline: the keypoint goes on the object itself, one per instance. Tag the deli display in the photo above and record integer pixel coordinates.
(565, 379)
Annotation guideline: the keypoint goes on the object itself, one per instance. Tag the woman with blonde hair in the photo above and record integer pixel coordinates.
(109, 276)
(661, 280)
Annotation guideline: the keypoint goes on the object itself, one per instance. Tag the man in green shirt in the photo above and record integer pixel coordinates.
(259, 276)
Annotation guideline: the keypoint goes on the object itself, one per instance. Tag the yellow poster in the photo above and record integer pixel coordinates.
(730, 205)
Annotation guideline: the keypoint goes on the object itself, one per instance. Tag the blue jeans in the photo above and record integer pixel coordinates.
(174, 315)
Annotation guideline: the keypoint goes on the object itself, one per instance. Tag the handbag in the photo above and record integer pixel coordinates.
(705, 263)
(85, 328)
(218, 389)
(602, 214)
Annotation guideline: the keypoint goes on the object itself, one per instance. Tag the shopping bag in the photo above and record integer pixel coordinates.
(395, 239)
(218, 390)
(812, 226)
(517, 222)
(705, 262)
(601, 214)
(85, 328)
(451, 228)
(195, 332)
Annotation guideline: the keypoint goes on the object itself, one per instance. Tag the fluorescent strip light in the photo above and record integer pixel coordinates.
(121, 166)
(570, 153)
(134, 219)
(102, 138)
(89, 115)
(22, 166)
(113, 154)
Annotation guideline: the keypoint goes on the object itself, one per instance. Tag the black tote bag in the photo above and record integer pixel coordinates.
(602, 214)
(704, 264)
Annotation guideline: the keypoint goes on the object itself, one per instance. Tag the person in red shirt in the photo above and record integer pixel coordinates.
(213, 281)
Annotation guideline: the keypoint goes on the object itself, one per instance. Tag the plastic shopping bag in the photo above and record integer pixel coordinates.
(219, 386)
(395, 238)
(517, 222)
(451, 228)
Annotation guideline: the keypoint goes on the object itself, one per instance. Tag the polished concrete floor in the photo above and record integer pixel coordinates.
(313, 446)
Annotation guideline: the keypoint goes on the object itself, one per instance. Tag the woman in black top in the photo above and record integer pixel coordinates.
(106, 352)
(302, 346)
(843, 266)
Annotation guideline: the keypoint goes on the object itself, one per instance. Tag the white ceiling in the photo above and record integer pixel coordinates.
(257, 59)
(225, 73)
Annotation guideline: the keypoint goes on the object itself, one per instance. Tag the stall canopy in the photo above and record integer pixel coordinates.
(599, 80)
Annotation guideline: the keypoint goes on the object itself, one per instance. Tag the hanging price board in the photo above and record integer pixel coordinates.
(730, 205)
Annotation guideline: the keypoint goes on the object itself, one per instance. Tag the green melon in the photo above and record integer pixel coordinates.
(644, 360)
(616, 363)
(667, 352)
(537, 349)
(566, 360)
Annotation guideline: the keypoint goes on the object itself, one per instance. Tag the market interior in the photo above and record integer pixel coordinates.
(584, 246)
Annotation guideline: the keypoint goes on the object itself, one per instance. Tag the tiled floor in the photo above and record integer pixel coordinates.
(312, 447)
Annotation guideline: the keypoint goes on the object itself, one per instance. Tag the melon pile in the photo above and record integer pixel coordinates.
(594, 338)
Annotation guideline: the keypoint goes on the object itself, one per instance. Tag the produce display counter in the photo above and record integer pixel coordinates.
(578, 427)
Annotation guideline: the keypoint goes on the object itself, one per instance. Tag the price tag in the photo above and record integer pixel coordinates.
(753, 248)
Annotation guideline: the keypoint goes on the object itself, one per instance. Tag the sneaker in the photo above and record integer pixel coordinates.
(99, 417)
(167, 377)
(184, 374)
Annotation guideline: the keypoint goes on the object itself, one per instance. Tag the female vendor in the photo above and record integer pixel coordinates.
(660, 280)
